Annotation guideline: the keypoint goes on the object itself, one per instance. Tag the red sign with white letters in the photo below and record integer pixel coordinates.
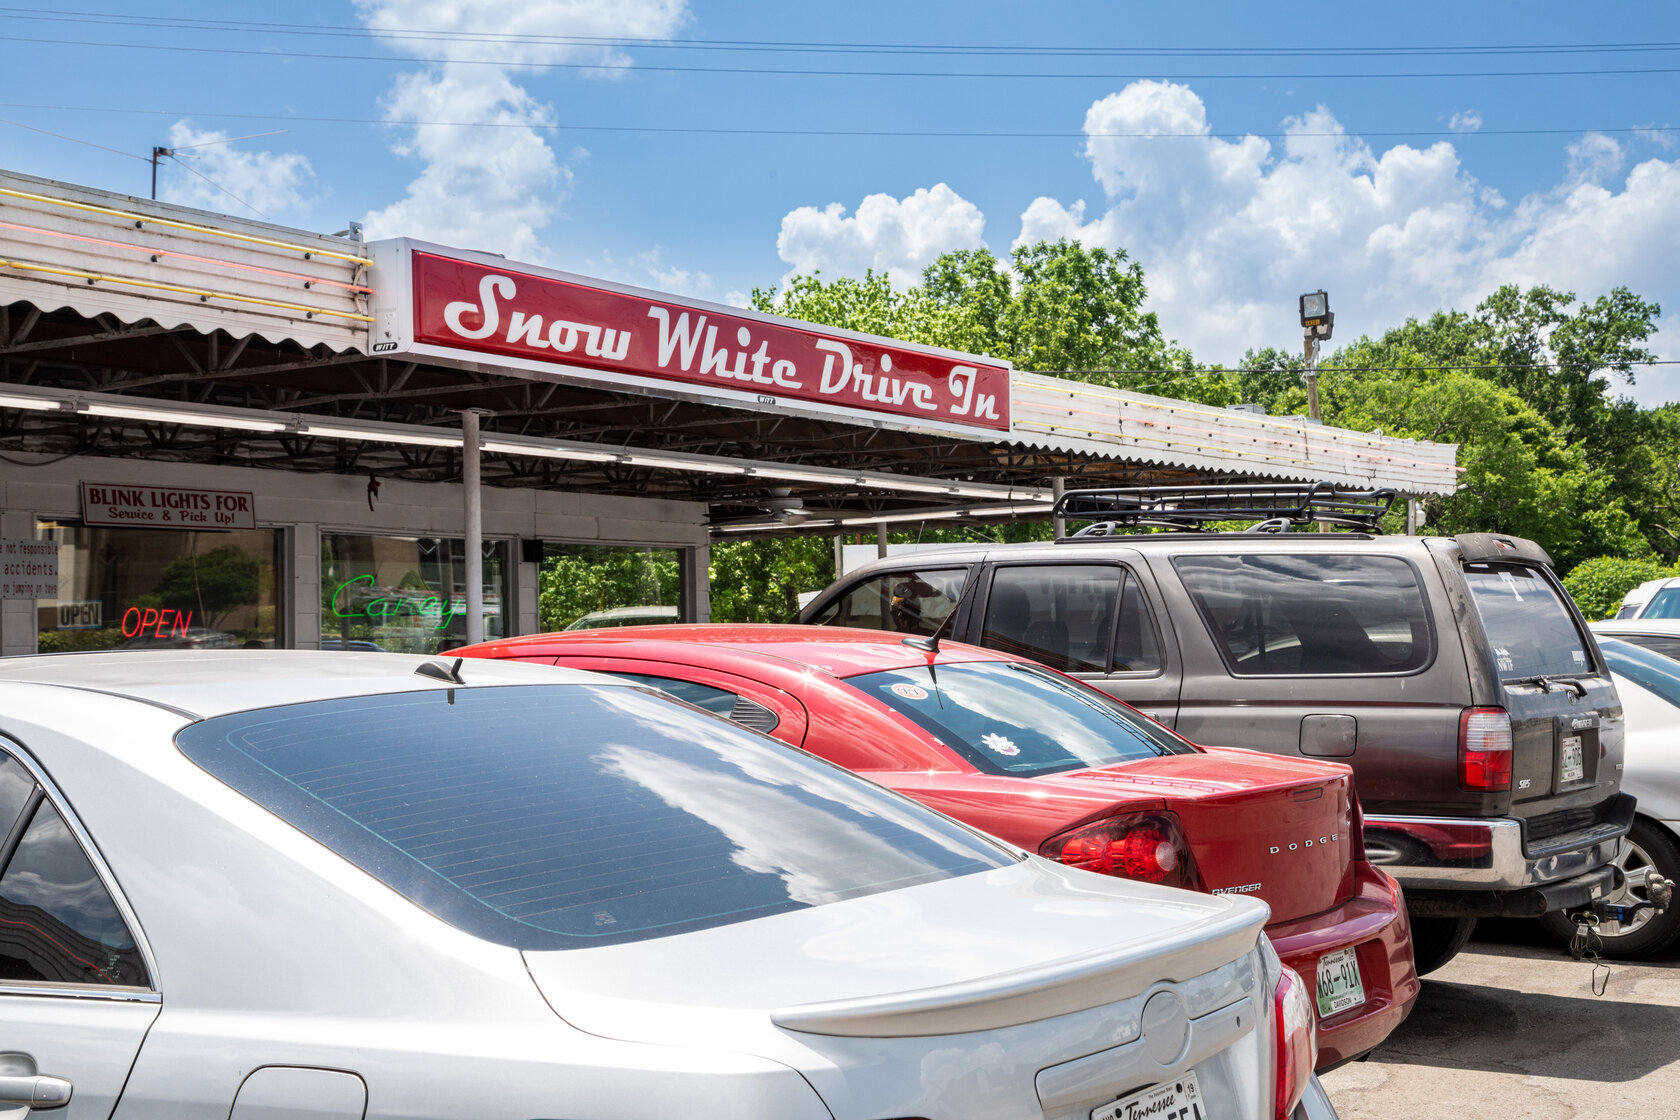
(469, 306)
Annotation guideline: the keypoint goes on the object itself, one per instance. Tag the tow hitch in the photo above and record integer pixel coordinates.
(1659, 896)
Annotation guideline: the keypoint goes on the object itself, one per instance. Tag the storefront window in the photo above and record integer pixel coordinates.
(585, 586)
(404, 594)
(131, 589)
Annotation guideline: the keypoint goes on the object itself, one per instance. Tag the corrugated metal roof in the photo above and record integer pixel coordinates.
(98, 253)
(1054, 413)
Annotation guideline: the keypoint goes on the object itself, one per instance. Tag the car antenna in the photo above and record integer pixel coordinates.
(930, 642)
(437, 670)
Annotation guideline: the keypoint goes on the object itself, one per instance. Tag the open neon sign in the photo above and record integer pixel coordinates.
(382, 609)
(136, 622)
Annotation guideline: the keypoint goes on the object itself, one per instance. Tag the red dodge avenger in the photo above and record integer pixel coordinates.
(1059, 768)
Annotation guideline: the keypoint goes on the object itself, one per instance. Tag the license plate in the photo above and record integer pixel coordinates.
(1339, 985)
(1574, 769)
(1178, 1099)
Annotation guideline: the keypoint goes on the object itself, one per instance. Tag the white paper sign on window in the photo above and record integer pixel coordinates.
(28, 569)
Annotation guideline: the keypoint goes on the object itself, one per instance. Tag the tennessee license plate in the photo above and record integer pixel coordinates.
(1574, 768)
(1339, 985)
(1178, 1099)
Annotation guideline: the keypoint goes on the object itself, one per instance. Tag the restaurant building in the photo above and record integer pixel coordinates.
(217, 432)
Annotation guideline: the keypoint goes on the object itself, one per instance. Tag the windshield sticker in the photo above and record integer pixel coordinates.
(1502, 658)
(910, 691)
(1510, 581)
(1000, 743)
(1578, 656)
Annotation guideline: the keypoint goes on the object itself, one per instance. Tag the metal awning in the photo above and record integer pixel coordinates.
(190, 315)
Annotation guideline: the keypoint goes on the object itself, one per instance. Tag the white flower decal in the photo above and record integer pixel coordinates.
(1000, 743)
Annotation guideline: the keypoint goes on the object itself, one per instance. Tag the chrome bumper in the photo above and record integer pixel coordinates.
(1457, 853)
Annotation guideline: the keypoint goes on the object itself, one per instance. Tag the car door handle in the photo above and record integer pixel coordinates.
(36, 1091)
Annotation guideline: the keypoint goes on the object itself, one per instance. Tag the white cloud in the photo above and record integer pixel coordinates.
(1468, 121)
(1594, 158)
(497, 185)
(215, 174)
(1230, 232)
(671, 278)
(897, 236)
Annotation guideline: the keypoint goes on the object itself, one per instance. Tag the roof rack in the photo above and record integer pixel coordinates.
(1276, 509)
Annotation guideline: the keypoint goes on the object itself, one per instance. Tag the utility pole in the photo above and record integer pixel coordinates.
(157, 154)
(1316, 324)
(1312, 377)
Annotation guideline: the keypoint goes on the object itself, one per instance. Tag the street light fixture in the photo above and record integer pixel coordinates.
(1316, 317)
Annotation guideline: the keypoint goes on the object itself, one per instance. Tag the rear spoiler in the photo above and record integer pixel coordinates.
(1209, 941)
(1483, 548)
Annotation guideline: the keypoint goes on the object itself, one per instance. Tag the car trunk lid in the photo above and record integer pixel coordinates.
(1255, 823)
(987, 951)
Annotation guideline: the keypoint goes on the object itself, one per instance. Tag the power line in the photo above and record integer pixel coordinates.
(183, 162)
(922, 134)
(1222, 370)
(73, 140)
(833, 73)
(796, 46)
(1293, 372)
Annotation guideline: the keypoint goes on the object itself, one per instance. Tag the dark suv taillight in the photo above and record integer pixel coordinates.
(1484, 750)
(1146, 846)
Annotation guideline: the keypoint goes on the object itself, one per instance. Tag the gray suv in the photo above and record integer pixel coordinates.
(1453, 674)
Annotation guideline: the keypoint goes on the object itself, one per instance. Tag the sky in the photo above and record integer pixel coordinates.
(1406, 158)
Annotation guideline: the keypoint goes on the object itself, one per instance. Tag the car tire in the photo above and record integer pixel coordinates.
(1648, 844)
(1435, 941)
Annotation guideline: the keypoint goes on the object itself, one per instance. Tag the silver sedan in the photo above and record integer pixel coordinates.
(333, 886)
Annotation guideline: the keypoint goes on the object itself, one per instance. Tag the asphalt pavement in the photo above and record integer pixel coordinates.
(1510, 1030)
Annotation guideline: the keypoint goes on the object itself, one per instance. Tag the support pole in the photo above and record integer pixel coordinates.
(1312, 378)
(881, 541)
(1058, 486)
(839, 555)
(475, 525)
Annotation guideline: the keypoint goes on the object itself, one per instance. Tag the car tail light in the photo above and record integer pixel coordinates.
(1484, 750)
(1148, 847)
(1293, 1037)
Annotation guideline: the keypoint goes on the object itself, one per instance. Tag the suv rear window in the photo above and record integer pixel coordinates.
(1274, 614)
(558, 817)
(1009, 718)
(1527, 623)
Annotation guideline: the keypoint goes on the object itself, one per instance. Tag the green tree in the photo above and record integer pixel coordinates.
(760, 581)
(1055, 306)
(1599, 585)
(215, 583)
(1592, 467)
(1520, 476)
(588, 578)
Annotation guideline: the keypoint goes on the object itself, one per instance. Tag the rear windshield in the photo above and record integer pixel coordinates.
(1643, 667)
(1527, 623)
(1273, 614)
(1664, 604)
(556, 817)
(1008, 718)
